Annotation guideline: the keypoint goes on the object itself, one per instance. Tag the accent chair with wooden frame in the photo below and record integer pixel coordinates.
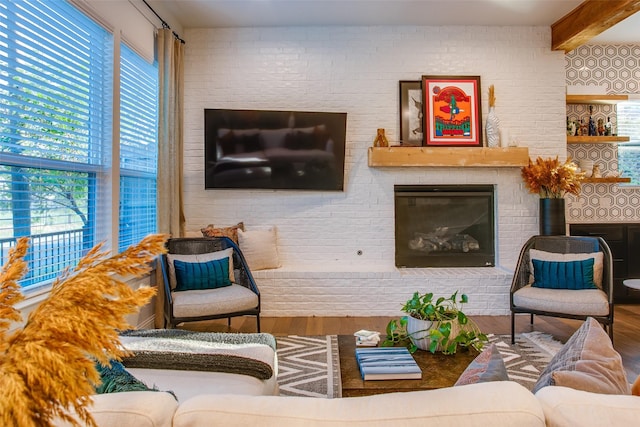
(564, 303)
(238, 296)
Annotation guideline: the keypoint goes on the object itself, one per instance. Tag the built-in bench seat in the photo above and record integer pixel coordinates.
(375, 290)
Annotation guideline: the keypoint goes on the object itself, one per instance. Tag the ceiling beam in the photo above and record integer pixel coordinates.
(588, 20)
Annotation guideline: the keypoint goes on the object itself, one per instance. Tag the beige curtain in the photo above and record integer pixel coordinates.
(170, 52)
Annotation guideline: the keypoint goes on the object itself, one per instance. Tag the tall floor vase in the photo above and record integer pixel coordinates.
(552, 219)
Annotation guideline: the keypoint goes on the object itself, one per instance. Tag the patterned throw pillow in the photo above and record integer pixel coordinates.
(116, 379)
(191, 276)
(586, 362)
(230, 232)
(488, 366)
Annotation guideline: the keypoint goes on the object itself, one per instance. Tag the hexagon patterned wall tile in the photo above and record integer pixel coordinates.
(617, 67)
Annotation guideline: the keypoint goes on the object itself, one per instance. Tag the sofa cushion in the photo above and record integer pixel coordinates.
(598, 261)
(487, 366)
(563, 274)
(202, 275)
(133, 408)
(586, 362)
(566, 407)
(171, 258)
(475, 405)
(259, 248)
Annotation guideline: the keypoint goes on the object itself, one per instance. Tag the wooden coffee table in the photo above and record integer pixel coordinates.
(438, 371)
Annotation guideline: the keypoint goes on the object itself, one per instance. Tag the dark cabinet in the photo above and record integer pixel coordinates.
(624, 241)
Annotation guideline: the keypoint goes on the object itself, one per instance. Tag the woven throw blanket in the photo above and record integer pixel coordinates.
(174, 349)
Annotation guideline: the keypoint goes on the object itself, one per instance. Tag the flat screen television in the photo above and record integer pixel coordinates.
(274, 149)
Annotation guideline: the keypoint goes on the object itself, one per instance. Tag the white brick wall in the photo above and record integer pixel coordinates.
(356, 70)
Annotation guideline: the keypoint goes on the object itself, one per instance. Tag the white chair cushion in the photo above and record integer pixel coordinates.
(578, 302)
(209, 302)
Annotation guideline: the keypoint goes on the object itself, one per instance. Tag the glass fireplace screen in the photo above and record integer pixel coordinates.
(444, 225)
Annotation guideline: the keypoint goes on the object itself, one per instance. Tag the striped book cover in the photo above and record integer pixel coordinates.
(387, 363)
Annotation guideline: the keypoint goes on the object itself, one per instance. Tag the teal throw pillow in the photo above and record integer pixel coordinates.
(563, 275)
(202, 275)
(116, 379)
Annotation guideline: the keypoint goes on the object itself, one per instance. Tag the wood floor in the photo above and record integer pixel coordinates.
(626, 328)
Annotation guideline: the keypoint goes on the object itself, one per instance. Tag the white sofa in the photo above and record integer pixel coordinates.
(587, 361)
(497, 404)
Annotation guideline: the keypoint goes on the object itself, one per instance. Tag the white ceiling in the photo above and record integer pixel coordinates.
(261, 13)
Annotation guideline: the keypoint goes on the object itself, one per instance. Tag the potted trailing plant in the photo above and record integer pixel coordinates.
(552, 180)
(435, 324)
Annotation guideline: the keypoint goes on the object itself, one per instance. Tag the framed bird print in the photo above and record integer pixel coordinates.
(451, 111)
(411, 113)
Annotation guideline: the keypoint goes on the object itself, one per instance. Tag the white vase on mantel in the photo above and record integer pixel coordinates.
(493, 128)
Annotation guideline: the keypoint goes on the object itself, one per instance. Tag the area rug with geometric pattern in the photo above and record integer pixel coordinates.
(526, 360)
(310, 365)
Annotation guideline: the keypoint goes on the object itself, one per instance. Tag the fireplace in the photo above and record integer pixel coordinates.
(444, 225)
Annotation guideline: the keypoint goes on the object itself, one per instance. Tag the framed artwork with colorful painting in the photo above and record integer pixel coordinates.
(411, 113)
(452, 116)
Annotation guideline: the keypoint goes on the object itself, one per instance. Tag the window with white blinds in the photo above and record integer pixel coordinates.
(56, 87)
(628, 116)
(138, 147)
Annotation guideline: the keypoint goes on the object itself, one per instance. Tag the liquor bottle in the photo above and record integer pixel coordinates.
(608, 127)
(592, 124)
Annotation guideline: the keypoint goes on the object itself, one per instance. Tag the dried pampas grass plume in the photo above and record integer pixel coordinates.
(47, 367)
(10, 293)
(492, 96)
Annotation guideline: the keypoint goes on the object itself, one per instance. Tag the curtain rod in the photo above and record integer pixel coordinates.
(164, 23)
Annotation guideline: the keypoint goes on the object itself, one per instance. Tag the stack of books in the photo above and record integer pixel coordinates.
(387, 363)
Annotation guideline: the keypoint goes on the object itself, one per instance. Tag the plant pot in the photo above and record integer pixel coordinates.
(419, 331)
(552, 219)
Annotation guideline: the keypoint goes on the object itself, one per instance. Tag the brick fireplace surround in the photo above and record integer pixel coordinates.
(378, 288)
(337, 248)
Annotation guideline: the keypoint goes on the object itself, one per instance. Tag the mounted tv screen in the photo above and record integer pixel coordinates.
(274, 149)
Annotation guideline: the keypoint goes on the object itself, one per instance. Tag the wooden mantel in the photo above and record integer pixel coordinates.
(448, 156)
